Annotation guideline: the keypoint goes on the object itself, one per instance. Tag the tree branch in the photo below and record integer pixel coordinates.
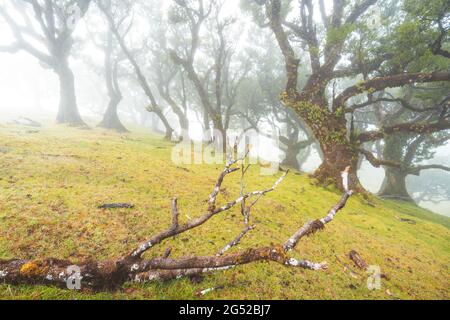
(381, 83)
(378, 162)
(110, 274)
(273, 9)
(413, 127)
(417, 169)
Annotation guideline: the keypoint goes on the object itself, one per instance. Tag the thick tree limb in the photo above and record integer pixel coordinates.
(417, 169)
(436, 47)
(381, 83)
(359, 10)
(273, 8)
(413, 127)
(405, 104)
(378, 162)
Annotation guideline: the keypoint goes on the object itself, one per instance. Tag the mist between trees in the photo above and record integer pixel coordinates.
(360, 83)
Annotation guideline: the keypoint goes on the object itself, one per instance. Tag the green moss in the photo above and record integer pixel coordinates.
(52, 182)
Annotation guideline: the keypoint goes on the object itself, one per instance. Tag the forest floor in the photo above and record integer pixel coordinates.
(53, 179)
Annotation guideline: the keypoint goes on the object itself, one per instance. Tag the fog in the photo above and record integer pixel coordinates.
(30, 89)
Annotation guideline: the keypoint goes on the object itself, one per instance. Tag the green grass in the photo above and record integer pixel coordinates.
(52, 181)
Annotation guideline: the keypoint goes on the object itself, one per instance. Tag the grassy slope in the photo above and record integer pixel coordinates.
(51, 183)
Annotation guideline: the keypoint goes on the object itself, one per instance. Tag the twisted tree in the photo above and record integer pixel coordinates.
(116, 12)
(111, 74)
(215, 79)
(403, 154)
(374, 56)
(133, 267)
(45, 32)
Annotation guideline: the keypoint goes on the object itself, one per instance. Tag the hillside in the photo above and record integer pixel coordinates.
(52, 180)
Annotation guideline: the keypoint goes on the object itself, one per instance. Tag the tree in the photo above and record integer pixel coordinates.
(103, 275)
(111, 65)
(402, 153)
(104, 41)
(46, 34)
(218, 87)
(406, 151)
(262, 89)
(116, 12)
(327, 43)
(297, 140)
(169, 78)
(432, 186)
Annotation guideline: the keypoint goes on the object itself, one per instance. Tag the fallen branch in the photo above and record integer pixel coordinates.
(116, 206)
(201, 293)
(111, 274)
(357, 260)
(236, 241)
(352, 273)
(410, 221)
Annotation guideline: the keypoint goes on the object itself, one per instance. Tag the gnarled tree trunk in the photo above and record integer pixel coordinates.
(290, 160)
(336, 157)
(292, 153)
(394, 185)
(111, 119)
(330, 130)
(68, 108)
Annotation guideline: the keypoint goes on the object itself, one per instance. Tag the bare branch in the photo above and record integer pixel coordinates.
(235, 241)
(212, 211)
(175, 214)
(312, 227)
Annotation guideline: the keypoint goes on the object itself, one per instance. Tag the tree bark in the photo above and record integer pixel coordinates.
(394, 185)
(336, 157)
(111, 119)
(68, 108)
(290, 160)
(330, 130)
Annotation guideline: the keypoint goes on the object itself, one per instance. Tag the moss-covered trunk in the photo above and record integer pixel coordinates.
(336, 157)
(329, 128)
